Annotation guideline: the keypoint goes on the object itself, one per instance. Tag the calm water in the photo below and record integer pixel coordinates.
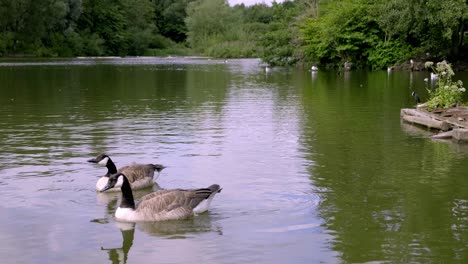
(316, 168)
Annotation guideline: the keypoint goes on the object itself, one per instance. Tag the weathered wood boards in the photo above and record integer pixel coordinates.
(460, 134)
(423, 118)
(452, 123)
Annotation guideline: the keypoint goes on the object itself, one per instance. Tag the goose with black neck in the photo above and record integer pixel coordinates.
(139, 175)
(161, 205)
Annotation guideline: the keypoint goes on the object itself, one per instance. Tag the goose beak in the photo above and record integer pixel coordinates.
(93, 160)
(107, 187)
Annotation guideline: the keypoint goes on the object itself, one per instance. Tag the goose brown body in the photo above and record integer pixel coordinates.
(139, 175)
(162, 205)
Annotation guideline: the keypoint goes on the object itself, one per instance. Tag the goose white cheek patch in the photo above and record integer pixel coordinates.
(104, 161)
(119, 182)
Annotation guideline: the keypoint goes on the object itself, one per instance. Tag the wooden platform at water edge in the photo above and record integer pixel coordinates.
(451, 123)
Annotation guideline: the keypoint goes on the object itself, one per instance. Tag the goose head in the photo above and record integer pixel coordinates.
(115, 180)
(101, 159)
(159, 167)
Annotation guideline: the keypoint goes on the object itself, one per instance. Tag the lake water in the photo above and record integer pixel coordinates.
(315, 167)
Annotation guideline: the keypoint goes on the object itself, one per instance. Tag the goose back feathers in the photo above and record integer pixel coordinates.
(161, 205)
(139, 175)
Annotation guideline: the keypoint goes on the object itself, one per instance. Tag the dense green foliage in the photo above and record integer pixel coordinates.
(378, 33)
(344, 32)
(368, 33)
(170, 18)
(89, 27)
(216, 29)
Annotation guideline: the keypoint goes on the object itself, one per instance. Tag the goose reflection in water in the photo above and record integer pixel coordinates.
(181, 228)
(175, 229)
(120, 255)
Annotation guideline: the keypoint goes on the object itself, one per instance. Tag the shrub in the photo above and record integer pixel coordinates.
(387, 53)
(446, 93)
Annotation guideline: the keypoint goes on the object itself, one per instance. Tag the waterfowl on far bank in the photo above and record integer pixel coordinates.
(161, 205)
(434, 77)
(139, 175)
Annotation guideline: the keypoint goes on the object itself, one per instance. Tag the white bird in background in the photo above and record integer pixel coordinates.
(314, 68)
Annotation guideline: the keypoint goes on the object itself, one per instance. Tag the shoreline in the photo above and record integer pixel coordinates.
(418, 65)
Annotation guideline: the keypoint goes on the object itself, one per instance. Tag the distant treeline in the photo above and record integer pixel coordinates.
(368, 33)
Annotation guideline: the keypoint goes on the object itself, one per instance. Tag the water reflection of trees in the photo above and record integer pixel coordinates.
(69, 108)
(384, 196)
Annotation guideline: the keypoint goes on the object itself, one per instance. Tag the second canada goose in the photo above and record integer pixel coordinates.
(161, 205)
(416, 97)
(139, 175)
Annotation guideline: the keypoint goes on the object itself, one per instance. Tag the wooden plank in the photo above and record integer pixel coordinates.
(452, 122)
(415, 112)
(460, 134)
(443, 135)
(428, 122)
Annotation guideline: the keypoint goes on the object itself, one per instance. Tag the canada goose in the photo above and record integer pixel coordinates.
(139, 175)
(161, 205)
(416, 97)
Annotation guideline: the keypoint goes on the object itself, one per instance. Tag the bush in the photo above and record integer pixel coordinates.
(446, 93)
(162, 46)
(6, 42)
(387, 53)
(93, 45)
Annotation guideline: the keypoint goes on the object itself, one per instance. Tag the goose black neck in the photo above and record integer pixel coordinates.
(111, 168)
(127, 195)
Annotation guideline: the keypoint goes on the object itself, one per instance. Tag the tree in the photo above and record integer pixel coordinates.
(139, 25)
(28, 25)
(433, 26)
(214, 27)
(104, 20)
(117, 27)
(206, 19)
(344, 31)
(280, 41)
(170, 18)
(446, 25)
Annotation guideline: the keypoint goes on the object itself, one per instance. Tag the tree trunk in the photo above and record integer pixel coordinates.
(457, 38)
